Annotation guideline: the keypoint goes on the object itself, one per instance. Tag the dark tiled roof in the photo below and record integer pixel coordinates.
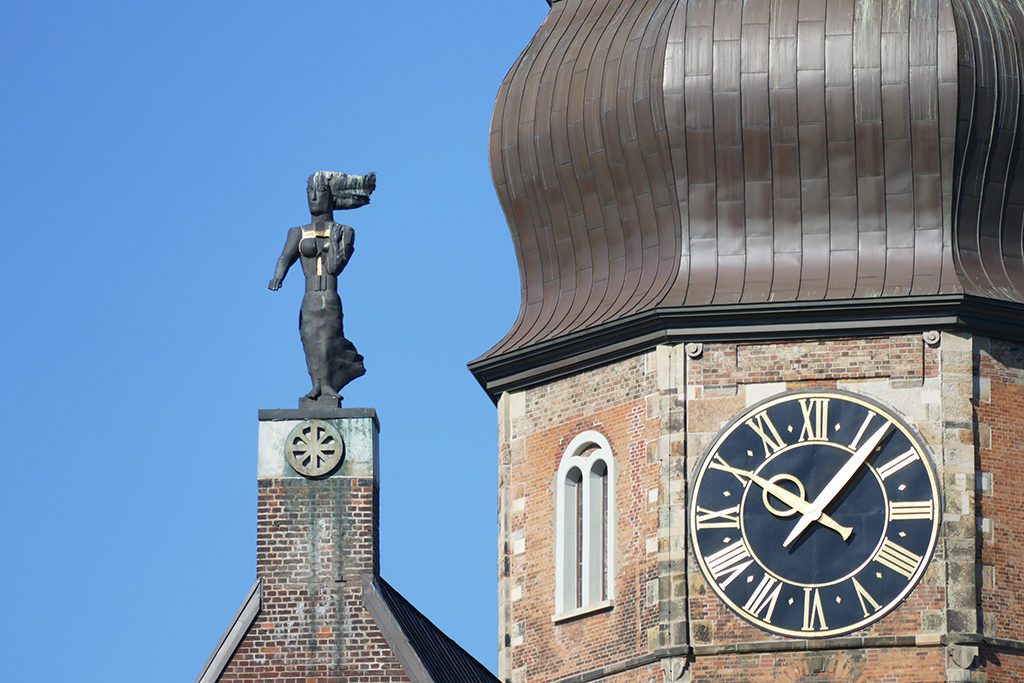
(439, 657)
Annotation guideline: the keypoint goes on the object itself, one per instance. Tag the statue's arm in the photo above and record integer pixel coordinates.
(289, 255)
(341, 246)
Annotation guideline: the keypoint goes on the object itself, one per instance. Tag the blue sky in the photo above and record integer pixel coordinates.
(153, 157)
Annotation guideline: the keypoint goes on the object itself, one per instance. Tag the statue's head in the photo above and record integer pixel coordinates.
(328, 191)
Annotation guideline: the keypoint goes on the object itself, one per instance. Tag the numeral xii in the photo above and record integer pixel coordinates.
(815, 412)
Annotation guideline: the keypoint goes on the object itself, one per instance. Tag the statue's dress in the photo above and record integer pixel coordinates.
(330, 358)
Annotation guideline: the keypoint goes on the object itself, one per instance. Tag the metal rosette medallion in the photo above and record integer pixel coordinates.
(314, 449)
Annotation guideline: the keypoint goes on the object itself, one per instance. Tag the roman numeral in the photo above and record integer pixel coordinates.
(730, 518)
(764, 598)
(813, 612)
(763, 427)
(863, 429)
(729, 562)
(717, 463)
(865, 598)
(898, 558)
(896, 464)
(815, 411)
(916, 509)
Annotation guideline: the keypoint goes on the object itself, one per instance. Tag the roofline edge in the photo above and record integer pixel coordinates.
(576, 352)
(393, 633)
(232, 638)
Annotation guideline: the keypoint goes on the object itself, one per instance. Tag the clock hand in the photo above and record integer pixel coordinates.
(791, 499)
(838, 482)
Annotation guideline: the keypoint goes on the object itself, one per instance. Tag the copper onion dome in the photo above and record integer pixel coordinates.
(695, 169)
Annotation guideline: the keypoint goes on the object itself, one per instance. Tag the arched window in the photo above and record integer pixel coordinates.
(585, 533)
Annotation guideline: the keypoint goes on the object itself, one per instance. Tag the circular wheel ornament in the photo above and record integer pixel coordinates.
(314, 448)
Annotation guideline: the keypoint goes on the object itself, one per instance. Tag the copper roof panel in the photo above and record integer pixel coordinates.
(663, 154)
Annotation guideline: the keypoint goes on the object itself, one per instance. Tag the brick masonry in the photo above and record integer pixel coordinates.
(660, 410)
(1000, 481)
(315, 542)
(551, 417)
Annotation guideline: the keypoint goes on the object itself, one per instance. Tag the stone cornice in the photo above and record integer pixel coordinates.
(575, 352)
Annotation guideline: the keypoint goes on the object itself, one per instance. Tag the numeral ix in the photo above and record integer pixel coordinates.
(729, 518)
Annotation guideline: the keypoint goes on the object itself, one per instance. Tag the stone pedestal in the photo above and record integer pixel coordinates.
(343, 541)
(316, 551)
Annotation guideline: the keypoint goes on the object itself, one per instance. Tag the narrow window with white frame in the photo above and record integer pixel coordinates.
(585, 534)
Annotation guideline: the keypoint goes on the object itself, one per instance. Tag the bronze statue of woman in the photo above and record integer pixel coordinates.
(324, 248)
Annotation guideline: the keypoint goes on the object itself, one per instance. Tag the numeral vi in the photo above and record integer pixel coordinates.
(814, 614)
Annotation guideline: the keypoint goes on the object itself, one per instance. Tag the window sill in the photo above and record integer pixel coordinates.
(580, 612)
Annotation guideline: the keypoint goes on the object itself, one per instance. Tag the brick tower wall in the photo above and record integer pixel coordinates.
(613, 401)
(659, 411)
(315, 542)
(1000, 429)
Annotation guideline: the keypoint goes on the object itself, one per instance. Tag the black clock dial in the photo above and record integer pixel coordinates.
(815, 513)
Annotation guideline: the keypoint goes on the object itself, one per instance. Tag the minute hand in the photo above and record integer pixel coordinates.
(839, 481)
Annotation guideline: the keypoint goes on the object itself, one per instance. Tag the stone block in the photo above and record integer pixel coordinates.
(984, 436)
(933, 621)
(653, 592)
(759, 392)
(359, 433)
(703, 631)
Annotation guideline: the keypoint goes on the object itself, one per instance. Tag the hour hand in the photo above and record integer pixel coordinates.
(791, 499)
(800, 505)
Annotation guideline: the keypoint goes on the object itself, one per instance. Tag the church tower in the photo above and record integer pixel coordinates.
(759, 412)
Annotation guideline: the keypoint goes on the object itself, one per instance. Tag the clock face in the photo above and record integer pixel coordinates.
(814, 513)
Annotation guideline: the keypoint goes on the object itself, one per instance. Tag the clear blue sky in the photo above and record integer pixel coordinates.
(152, 157)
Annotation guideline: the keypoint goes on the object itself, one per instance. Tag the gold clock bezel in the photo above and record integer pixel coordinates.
(874, 405)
